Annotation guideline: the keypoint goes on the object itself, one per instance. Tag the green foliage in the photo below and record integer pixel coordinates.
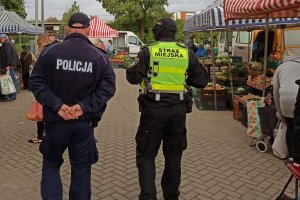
(51, 19)
(66, 16)
(204, 37)
(179, 35)
(17, 6)
(137, 16)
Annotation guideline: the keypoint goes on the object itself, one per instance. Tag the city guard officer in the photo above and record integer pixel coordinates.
(165, 71)
(73, 80)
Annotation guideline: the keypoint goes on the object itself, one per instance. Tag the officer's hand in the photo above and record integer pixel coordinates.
(76, 111)
(65, 112)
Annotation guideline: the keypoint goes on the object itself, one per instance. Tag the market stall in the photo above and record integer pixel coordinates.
(262, 9)
(261, 114)
(99, 29)
(213, 18)
(12, 23)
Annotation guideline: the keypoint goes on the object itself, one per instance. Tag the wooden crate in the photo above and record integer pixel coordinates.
(237, 108)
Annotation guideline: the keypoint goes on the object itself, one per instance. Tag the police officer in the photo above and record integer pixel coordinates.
(73, 80)
(165, 70)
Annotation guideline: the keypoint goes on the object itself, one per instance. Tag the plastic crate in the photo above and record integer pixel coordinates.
(206, 101)
(236, 59)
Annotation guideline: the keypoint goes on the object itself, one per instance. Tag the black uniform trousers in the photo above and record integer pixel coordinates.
(165, 125)
(78, 137)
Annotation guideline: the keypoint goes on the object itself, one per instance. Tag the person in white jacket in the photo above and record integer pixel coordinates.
(285, 91)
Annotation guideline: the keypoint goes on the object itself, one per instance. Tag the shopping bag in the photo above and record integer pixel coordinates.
(279, 146)
(253, 128)
(35, 112)
(268, 119)
(7, 85)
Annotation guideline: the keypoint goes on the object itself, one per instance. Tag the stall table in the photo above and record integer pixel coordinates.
(117, 63)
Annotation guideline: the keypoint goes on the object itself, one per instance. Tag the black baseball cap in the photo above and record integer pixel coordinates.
(79, 18)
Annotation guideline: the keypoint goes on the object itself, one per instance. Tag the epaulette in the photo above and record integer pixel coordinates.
(153, 43)
(181, 45)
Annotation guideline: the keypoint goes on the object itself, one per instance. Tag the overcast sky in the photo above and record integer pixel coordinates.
(56, 8)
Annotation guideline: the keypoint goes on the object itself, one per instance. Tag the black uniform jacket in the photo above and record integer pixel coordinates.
(296, 131)
(72, 72)
(197, 77)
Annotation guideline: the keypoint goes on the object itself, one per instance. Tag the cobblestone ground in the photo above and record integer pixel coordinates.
(218, 164)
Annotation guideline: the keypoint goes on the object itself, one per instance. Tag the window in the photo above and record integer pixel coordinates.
(244, 37)
(222, 37)
(292, 37)
(134, 40)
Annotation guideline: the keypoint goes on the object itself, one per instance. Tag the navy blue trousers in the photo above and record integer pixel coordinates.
(78, 138)
(167, 126)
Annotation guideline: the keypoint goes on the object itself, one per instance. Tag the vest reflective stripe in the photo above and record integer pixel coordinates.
(169, 63)
(161, 87)
(174, 70)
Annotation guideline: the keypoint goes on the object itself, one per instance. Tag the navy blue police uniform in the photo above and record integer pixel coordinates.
(162, 120)
(71, 72)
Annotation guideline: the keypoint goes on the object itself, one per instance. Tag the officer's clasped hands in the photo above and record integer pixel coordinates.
(73, 112)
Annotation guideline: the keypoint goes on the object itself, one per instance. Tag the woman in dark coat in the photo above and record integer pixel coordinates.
(26, 61)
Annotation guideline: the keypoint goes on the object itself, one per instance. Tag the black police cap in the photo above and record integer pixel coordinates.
(79, 18)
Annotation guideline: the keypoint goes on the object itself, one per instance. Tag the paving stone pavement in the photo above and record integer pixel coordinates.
(218, 164)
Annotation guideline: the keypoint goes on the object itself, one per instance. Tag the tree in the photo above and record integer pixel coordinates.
(135, 15)
(66, 16)
(17, 6)
(179, 35)
(51, 19)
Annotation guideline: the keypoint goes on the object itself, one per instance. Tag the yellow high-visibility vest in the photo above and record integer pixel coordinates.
(168, 65)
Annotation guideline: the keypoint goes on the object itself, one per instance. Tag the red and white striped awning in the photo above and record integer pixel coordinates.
(99, 29)
(255, 9)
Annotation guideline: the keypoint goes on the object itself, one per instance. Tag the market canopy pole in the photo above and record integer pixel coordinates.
(213, 63)
(229, 63)
(214, 67)
(266, 53)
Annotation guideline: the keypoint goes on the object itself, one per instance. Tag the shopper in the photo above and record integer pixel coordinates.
(165, 71)
(110, 48)
(9, 60)
(190, 42)
(285, 91)
(99, 43)
(43, 41)
(73, 81)
(26, 62)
